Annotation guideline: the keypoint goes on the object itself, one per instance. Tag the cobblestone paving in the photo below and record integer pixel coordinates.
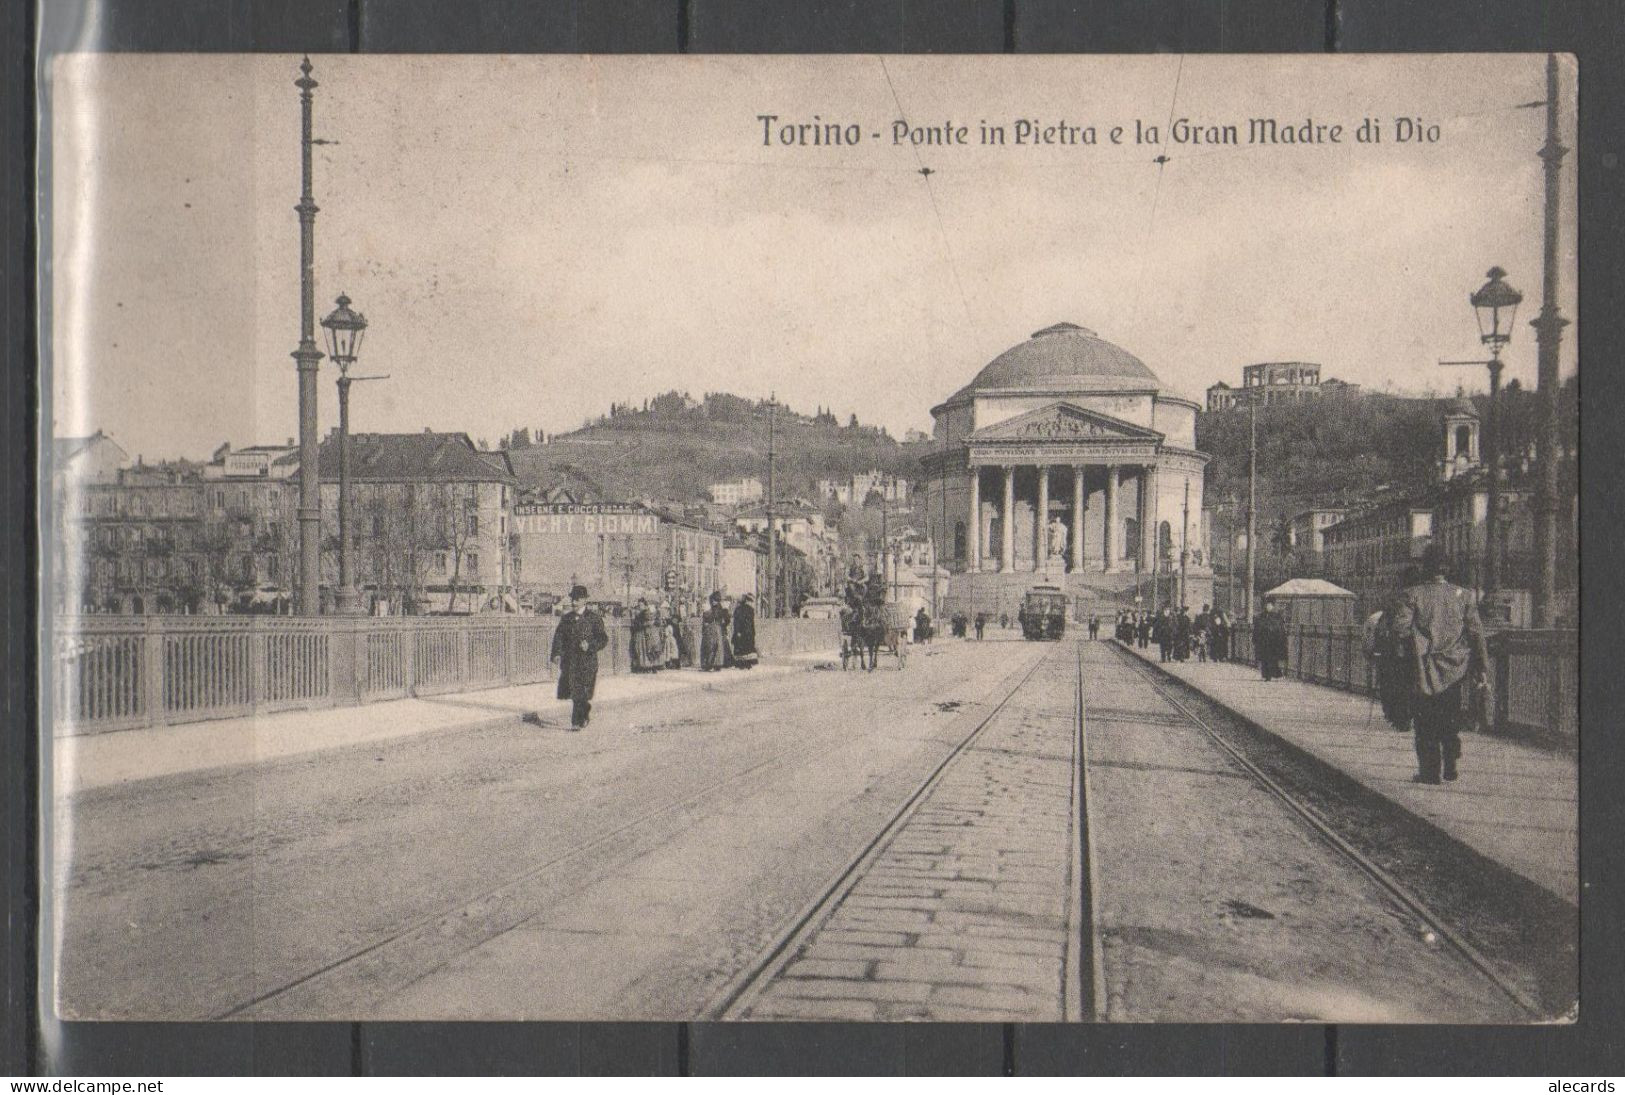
(966, 913)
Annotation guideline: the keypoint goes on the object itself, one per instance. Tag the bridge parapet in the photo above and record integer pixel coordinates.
(122, 672)
(1534, 675)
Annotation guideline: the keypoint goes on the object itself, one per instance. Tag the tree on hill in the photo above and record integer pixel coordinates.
(1321, 452)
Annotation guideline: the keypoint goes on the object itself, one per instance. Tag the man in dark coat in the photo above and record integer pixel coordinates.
(1182, 635)
(1269, 641)
(1440, 625)
(1162, 633)
(744, 638)
(576, 643)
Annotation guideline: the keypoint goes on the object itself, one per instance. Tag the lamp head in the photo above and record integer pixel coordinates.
(1496, 303)
(345, 327)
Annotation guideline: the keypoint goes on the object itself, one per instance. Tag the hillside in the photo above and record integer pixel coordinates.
(1341, 451)
(674, 446)
(1317, 453)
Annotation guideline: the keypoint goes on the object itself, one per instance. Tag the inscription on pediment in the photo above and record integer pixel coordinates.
(1063, 424)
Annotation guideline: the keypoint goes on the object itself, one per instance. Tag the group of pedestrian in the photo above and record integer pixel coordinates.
(728, 634)
(658, 641)
(657, 637)
(961, 625)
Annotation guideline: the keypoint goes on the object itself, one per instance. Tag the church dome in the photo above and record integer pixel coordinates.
(1060, 359)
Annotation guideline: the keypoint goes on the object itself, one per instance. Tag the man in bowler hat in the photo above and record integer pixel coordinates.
(576, 643)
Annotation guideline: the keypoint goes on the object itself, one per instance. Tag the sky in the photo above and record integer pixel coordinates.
(532, 238)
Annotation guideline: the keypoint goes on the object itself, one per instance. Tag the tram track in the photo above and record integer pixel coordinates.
(736, 996)
(472, 921)
(1438, 925)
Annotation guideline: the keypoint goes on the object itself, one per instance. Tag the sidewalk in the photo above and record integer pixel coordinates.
(1514, 803)
(81, 763)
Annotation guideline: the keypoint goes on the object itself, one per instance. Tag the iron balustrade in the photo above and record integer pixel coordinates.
(123, 672)
(1534, 675)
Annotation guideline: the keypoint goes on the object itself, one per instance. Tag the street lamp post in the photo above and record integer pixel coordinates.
(345, 329)
(1247, 591)
(308, 358)
(1495, 304)
(1549, 337)
(772, 605)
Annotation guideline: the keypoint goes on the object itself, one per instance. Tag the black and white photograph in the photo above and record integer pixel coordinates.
(1006, 539)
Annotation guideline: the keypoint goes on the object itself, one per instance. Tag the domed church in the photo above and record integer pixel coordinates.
(1053, 465)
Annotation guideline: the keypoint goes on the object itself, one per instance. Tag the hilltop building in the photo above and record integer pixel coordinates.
(1279, 382)
(854, 491)
(737, 492)
(1066, 460)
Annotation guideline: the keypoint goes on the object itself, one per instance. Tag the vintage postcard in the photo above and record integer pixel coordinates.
(816, 538)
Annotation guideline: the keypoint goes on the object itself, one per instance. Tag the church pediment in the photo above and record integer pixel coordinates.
(1063, 422)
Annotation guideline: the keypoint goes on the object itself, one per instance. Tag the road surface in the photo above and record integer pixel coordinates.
(948, 841)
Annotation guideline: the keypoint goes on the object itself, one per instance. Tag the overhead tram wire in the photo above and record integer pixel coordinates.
(1161, 161)
(925, 173)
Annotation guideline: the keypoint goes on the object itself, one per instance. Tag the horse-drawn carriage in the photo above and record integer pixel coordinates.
(871, 627)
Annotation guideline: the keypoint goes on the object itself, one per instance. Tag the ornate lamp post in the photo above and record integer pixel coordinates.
(1496, 303)
(309, 359)
(345, 329)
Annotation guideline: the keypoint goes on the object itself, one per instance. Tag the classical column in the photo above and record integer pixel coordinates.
(973, 530)
(1108, 541)
(1149, 524)
(1007, 522)
(1077, 518)
(1041, 520)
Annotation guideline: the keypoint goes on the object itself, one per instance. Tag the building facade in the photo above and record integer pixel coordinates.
(619, 550)
(1067, 457)
(1370, 551)
(180, 537)
(429, 523)
(1306, 533)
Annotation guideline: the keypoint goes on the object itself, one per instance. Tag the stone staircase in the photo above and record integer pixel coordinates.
(1093, 592)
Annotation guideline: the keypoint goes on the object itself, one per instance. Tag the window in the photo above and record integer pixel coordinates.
(959, 539)
(473, 524)
(440, 561)
(473, 564)
(377, 524)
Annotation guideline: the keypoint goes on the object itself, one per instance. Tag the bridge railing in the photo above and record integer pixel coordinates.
(122, 672)
(1534, 675)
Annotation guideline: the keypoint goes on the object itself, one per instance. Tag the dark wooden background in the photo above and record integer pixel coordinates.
(1593, 30)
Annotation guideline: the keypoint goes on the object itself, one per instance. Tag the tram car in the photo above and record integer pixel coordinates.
(1043, 613)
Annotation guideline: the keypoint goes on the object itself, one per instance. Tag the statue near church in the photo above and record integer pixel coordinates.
(1057, 537)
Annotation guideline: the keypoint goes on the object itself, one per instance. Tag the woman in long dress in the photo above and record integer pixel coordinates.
(642, 625)
(714, 636)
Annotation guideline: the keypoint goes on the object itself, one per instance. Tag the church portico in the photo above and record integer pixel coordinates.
(1079, 502)
(1039, 481)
